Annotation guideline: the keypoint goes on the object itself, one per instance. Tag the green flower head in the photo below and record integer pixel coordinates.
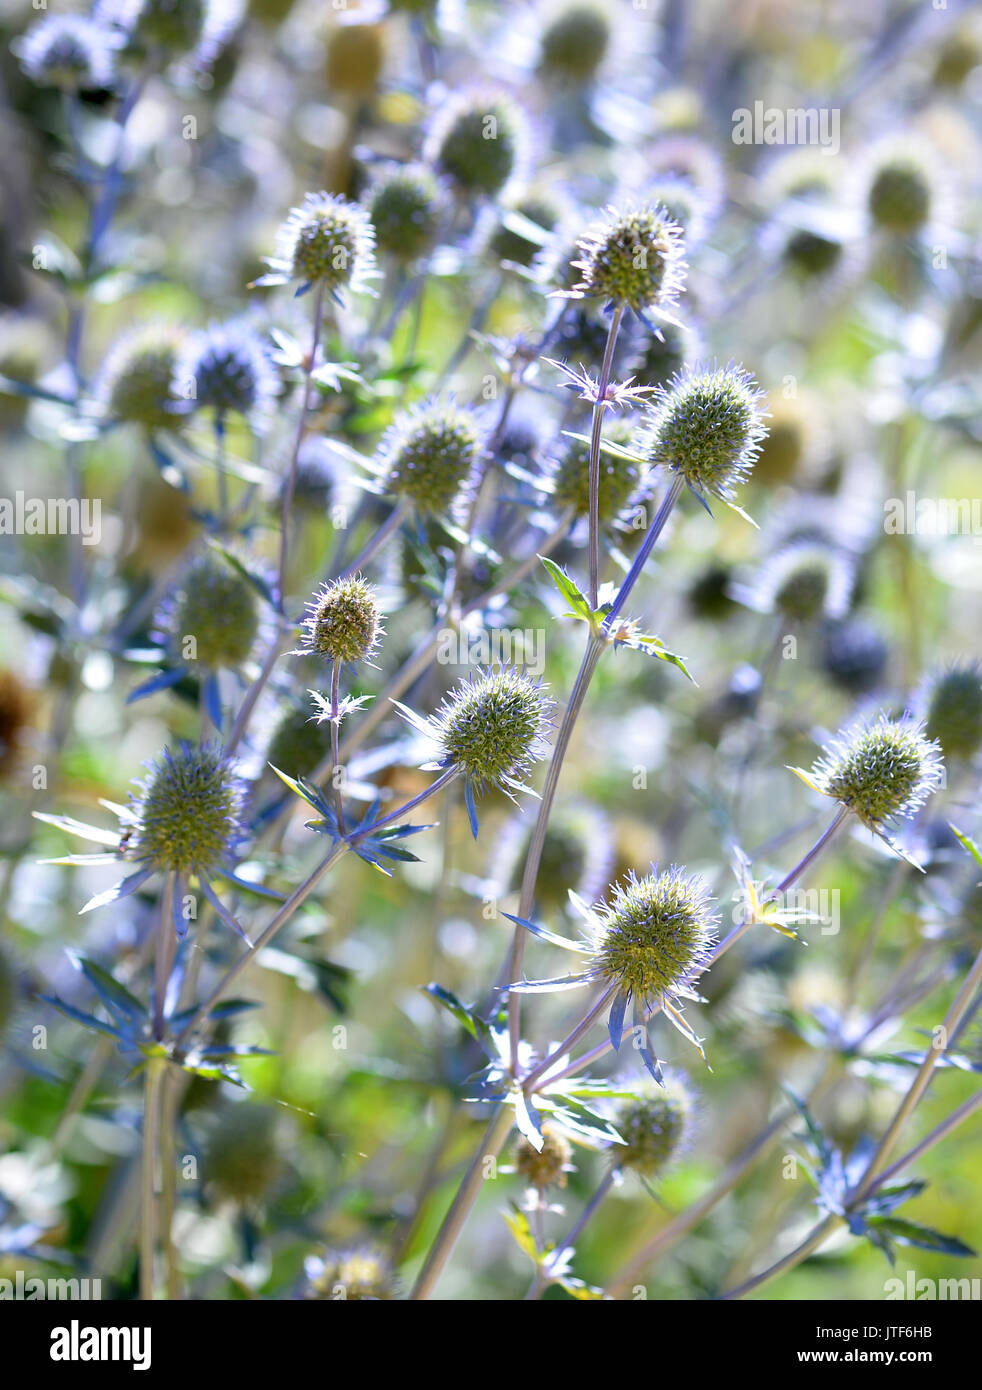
(187, 817)
(622, 480)
(805, 581)
(327, 241)
(405, 207)
(633, 258)
(656, 1128)
(431, 453)
(493, 728)
(241, 1160)
(882, 769)
(574, 43)
(342, 621)
(707, 425)
(137, 380)
(212, 617)
(478, 143)
(899, 197)
(953, 704)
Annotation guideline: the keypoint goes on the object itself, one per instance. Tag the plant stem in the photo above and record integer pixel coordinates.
(544, 1274)
(599, 407)
(801, 1252)
(391, 523)
(594, 648)
(647, 545)
(572, 1038)
(442, 1247)
(291, 478)
(151, 1132)
(335, 760)
(164, 950)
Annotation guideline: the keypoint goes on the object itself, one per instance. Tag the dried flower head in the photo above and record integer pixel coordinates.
(213, 615)
(241, 1160)
(431, 453)
(226, 368)
(574, 43)
(545, 1167)
(187, 815)
(707, 425)
(70, 51)
(882, 769)
(655, 1126)
(493, 727)
(405, 206)
(623, 480)
(952, 701)
(326, 241)
(361, 1272)
(342, 621)
(136, 382)
(478, 142)
(635, 258)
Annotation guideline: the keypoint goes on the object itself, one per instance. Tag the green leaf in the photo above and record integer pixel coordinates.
(910, 1233)
(518, 1224)
(117, 1000)
(86, 1020)
(466, 1017)
(967, 843)
(579, 607)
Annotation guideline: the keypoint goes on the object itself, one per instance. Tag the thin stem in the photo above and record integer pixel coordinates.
(335, 760)
(647, 545)
(291, 478)
(569, 1242)
(392, 523)
(164, 950)
(599, 406)
(252, 695)
(591, 656)
(221, 471)
(941, 1131)
(447, 1236)
(442, 781)
(570, 1041)
(801, 1252)
(169, 1104)
(151, 1128)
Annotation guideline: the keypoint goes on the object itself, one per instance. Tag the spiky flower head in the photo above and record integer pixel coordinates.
(899, 198)
(361, 1272)
(653, 934)
(854, 655)
(545, 1167)
(622, 480)
(953, 704)
(226, 368)
(187, 815)
(635, 258)
(326, 241)
(574, 43)
(655, 1126)
(299, 741)
(707, 425)
(493, 727)
(804, 581)
(213, 615)
(241, 1160)
(405, 207)
(881, 769)
(810, 253)
(342, 621)
(478, 142)
(136, 382)
(70, 51)
(431, 453)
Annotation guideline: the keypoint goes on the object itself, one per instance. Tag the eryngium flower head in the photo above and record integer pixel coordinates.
(217, 607)
(574, 44)
(953, 705)
(241, 1160)
(326, 241)
(633, 258)
(226, 368)
(136, 382)
(361, 1273)
(899, 196)
(405, 207)
(545, 1167)
(882, 769)
(342, 621)
(493, 727)
(622, 480)
(431, 453)
(707, 425)
(478, 142)
(70, 51)
(187, 815)
(654, 934)
(804, 581)
(854, 655)
(808, 253)
(655, 1127)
